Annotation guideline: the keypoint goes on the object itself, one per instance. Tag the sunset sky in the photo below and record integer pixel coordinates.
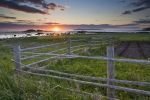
(18, 15)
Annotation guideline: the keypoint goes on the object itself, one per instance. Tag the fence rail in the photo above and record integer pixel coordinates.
(87, 77)
(90, 83)
(95, 57)
(81, 79)
(32, 48)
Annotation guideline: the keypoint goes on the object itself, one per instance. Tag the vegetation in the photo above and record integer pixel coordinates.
(28, 87)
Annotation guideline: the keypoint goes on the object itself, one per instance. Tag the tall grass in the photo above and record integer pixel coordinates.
(28, 87)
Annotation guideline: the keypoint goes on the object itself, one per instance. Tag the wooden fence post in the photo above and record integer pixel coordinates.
(110, 71)
(16, 51)
(89, 45)
(69, 44)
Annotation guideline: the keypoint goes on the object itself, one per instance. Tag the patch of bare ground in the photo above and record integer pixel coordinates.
(133, 49)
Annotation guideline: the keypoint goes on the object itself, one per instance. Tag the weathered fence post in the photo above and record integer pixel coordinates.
(17, 56)
(69, 44)
(89, 42)
(16, 51)
(110, 71)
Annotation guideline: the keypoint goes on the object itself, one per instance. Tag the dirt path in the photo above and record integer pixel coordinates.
(137, 50)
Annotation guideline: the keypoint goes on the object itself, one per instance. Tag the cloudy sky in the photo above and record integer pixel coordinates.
(16, 15)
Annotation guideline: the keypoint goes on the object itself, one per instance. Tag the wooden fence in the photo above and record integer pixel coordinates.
(87, 80)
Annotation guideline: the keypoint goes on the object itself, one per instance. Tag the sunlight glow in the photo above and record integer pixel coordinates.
(56, 29)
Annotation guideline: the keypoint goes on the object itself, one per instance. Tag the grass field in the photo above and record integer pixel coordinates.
(27, 87)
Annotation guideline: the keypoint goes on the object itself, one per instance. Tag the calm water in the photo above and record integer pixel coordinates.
(17, 35)
(5, 35)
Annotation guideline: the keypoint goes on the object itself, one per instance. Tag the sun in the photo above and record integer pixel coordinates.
(56, 29)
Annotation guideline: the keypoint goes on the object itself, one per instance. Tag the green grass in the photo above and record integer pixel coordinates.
(28, 87)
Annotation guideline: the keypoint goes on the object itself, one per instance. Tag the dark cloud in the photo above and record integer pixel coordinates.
(38, 6)
(62, 8)
(139, 5)
(35, 2)
(147, 16)
(146, 29)
(24, 22)
(17, 23)
(126, 25)
(51, 23)
(139, 9)
(122, 1)
(23, 26)
(126, 12)
(6, 17)
(32, 1)
(143, 21)
(10, 24)
(92, 26)
(18, 7)
(53, 6)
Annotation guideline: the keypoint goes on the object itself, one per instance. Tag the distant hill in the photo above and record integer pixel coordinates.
(87, 29)
(146, 29)
(32, 30)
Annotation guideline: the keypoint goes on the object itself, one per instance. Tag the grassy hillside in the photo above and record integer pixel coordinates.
(28, 87)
